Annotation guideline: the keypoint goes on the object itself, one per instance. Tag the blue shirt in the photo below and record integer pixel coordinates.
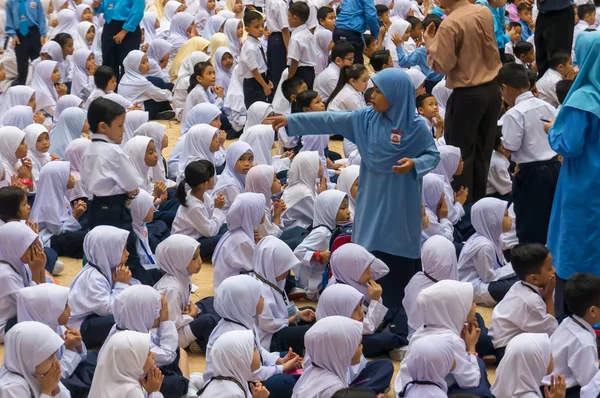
(526, 31)
(129, 11)
(358, 16)
(500, 21)
(35, 16)
(418, 58)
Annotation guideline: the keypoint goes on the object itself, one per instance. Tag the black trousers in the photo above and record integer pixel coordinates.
(28, 50)
(69, 243)
(471, 124)
(153, 107)
(553, 32)
(307, 74)
(402, 269)
(533, 194)
(276, 57)
(113, 54)
(253, 91)
(354, 38)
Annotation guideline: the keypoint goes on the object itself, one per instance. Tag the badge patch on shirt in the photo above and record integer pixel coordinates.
(396, 137)
(33, 4)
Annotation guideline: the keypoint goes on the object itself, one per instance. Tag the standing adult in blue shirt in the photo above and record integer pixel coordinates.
(122, 32)
(355, 17)
(26, 25)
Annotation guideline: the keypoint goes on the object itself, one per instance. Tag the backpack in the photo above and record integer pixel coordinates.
(341, 235)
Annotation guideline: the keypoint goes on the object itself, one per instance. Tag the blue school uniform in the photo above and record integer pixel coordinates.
(30, 10)
(502, 38)
(418, 58)
(526, 31)
(358, 16)
(129, 11)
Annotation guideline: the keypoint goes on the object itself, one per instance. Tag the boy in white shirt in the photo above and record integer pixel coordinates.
(277, 24)
(528, 307)
(574, 341)
(499, 183)
(561, 67)
(524, 136)
(524, 53)
(342, 54)
(587, 20)
(427, 107)
(302, 54)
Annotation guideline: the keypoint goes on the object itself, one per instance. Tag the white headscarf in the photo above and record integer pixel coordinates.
(170, 10)
(148, 24)
(445, 305)
(398, 27)
(121, 365)
(140, 206)
(136, 149)
(173, 255)
(157, 50)
(260, 138)
(178, 31)
(32, 133)
(81, 43)
(338, 299)
(10, 139)
(349, 262)
(401, 8)
(524, 365)
(449, 160)
(327, 205)
(16, 237)
(53, 207)
(80, 9)
(487, 215)
(81, 77)
(232, 356)
(245, 213)
(69, 127)
(17, 95)
(133, 120)
(67, 23)
(433, 189)
(230, 30)
(431, 360)
(54, 50)
(66, 101)
(223, 75)
(42, 303)
(197, 145)
(259, 180)
(19, 116)
(203, 113)
(302, 178)
(136, 308)
(438, 256)
(27, 345)
(186, 70)
(157, 132)
(45, 93)
(230, 177)
(236, 299)
(73, 154)
(257, 112)
(442, 94)
(213, 26)
(346, 180)
(119, 99)
(133, 84)
(416, 76)
(324, 38)
(331, 343)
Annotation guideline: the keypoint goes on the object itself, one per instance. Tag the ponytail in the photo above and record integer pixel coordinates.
(199, 69)
(181, 194)
(348, 72)
(196, 173)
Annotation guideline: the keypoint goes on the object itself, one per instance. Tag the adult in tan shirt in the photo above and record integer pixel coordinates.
(464, 49)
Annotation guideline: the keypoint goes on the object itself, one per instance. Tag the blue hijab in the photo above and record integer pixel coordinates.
(585, 92)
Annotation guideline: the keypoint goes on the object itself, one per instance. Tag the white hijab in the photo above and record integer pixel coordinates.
(259, 180)
(331, 343)
(121, 365)
(257, 112)
(136, 149)
(148, 24)
(431, 360)
(442, 94)
(73, 154)
(523, 366)
(349, 262)
(133, 120)
(444, 305)
(223, 74)
(54, 50)
(213, 26)
(32, 133)
(230, 30)
(66, 101)
(398, 27)
(27, 345)
(302, 178)
(10, 139)
(140, 206)
(19, 116)
(186, 70)
(230, 177)
(119, 99)
(42, 303)
(433, 189)
(438, 256)
(232, 356)
(261, 138)
(170, 9)
(203, 113)
(81, 78)
(17, 95)
(69, 127)
(416, 76)
(67, 23)
(157, 50)
(327, 205)
(173, 255)
(338, 299)
(346, 180)
(178, 31)
(197, 146)
(449, 160)
(16, 237)
(324, 38)
(80, 9)
(53, 207)
(133, 84)
(45, 93)
(245, 213)
(157, 132)
(81, 43)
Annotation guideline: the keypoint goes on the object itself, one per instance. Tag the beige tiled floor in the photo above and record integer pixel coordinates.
(204, 280)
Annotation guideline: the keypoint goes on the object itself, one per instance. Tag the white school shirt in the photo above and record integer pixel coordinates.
(308, 272)
(499, 177)
(276, 12)
(574, 350)
(252, 58)
(522, 310)
(302, 47)
(199, 95)
(199, 219)
(547, 87)
(523, 132)
(441, 227)
(106, 170)
(181, 321)
(593, 388)
(255, 3)
(326, 81)
(237, 256)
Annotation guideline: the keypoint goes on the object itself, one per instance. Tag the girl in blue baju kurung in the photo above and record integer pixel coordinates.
(397, 149)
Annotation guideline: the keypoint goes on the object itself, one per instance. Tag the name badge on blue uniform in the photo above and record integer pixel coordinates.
(33, 4)
(396, 137)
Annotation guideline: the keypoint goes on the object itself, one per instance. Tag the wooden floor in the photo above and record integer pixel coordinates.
(204, 280)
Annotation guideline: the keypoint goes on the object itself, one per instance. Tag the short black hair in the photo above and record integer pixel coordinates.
(250, 16)
(368, 39)
(432, 18)
(421, 99)
(585, 9)
(62, 38)
(582, 291)
(10, 202)
(352, 392)
(301, 10)
(515, 25)
(414, 22)
(379, 59)
(103, 110)
(368, 94)
(532, 78)
(528, 258)
(304, 99)
(323, 12)
(290, 86)
(513, 75)
(103, 75)
(341, 49)
(522, 7)
(381, 9)
(522, 48)
(558, 58)
(562, 89)
(508, 58)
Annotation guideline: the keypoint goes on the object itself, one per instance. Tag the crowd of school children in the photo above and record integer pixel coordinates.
(306, 284)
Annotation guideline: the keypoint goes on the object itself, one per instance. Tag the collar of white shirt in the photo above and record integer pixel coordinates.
(529, 286)
(100, 137)
(581, 322)
(523, 97)
(297, 30)
(553, 74)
